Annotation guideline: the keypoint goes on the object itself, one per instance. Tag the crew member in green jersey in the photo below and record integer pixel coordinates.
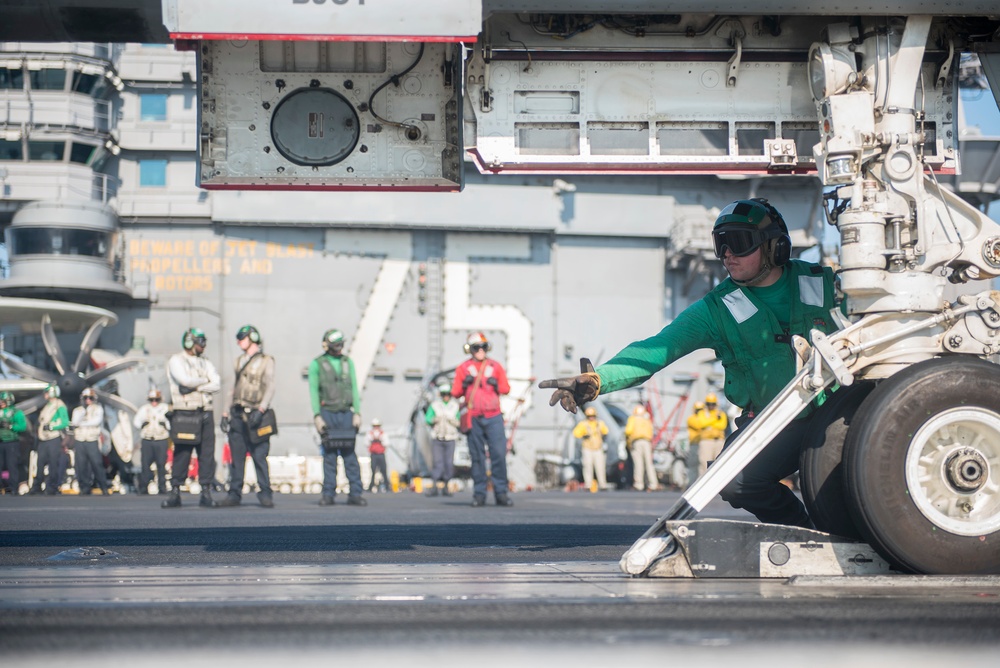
(53, 421)
(12, 425)
(748, 320)
(336, 407)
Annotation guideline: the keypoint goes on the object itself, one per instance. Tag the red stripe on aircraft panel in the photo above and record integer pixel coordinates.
(220, 36)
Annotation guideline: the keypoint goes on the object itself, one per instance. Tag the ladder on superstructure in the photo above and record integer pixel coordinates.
(434, 312)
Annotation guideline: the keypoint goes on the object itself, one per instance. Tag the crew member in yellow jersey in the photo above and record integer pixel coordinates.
(639, 440)
(710, 426)
(591, 433)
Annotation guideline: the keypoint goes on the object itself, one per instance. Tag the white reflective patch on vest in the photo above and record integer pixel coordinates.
(811, 290)
(739, 305)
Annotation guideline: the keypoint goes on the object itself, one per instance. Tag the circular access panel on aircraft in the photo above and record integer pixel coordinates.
(315, 127)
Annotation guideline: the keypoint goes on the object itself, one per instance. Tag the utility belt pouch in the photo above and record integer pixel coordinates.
(338, 440)
(465, 421)
(185, 427)
(265, 428)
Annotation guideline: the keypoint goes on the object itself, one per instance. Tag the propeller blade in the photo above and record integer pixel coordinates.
(116, 401)
(94, 377)
(23, 385)
(52, 345)
(26, 369)
(89, 341)
(31, 405)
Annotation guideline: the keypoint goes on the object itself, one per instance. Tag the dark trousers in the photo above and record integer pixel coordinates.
(154, 451)
(239, 446)
(758, 487)
(443, 458)
(339, 424)
(9, 455)
(206, 455)
(121, 468)
(62, 468)
(378, 467)
(49, 454)
(89, 464)
(488, 433)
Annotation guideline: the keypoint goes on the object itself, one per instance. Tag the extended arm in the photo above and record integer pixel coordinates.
(637, 362)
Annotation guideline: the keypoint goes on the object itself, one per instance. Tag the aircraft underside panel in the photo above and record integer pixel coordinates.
(328, 115)
(549, 93)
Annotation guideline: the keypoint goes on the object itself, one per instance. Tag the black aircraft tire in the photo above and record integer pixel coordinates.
(820, 470)
(911, 459)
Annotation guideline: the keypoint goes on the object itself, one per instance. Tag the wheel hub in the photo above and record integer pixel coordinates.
(953, 470)
(967, 470)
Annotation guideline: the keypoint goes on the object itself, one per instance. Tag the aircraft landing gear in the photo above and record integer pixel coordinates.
(922, 464)
(910, 465)
(821, 475)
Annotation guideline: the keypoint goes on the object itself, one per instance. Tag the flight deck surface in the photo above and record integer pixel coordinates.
(427, 581)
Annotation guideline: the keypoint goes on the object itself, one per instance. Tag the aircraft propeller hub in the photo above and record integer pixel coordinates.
(71, 385)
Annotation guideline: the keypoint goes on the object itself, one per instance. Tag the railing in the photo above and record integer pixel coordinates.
(104, 188)
(57, 180)
(104, 51)
(56, 109)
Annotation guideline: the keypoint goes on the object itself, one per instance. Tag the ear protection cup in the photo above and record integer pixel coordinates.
(332, 337)
(781, 246)
(781, 251)
(476, 338)
(192, 337)
(248, 332)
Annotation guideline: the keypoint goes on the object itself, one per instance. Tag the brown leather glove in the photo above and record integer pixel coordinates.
(577, 390)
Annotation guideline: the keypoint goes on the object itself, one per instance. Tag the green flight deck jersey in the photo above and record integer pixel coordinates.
(12, 424)
(749, 328)
(332, 386)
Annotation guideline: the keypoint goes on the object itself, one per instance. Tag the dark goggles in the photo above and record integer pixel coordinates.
(477, 346)
(740, 241)
(242, 334)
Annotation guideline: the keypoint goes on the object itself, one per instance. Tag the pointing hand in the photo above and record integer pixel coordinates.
(576, 390)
